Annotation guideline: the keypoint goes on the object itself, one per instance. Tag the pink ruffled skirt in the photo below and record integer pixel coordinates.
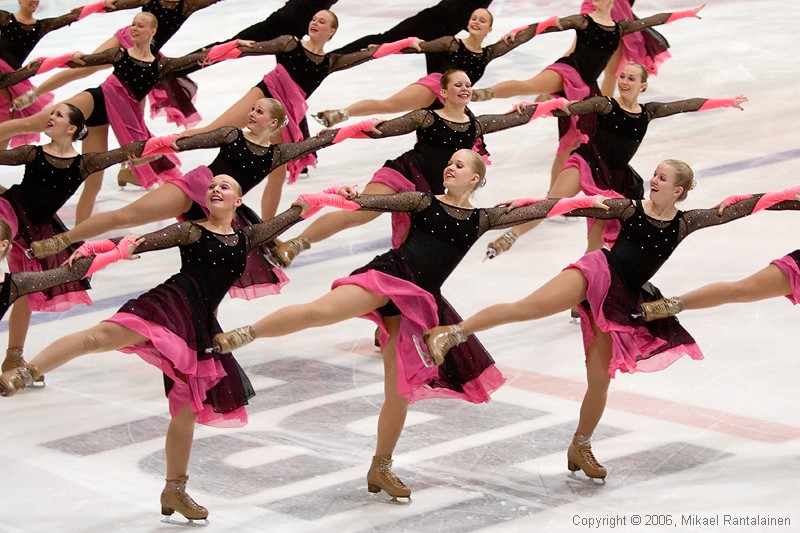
(637, 346)
(790, 266)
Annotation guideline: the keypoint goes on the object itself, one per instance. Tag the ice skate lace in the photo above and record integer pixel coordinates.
(662, 308)
(586, 451)
(386, 470)
(504, 242)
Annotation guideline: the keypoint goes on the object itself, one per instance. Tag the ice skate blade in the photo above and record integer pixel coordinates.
(29, 254)
(491, 253)
(203, 522)
(403, 500)
(422, 352)
(319, 119)
(599, 481)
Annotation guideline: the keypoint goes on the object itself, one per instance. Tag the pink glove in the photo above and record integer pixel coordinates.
(221, 52)
(772, 198)
(547, 107)
(718, 102)
(681, 15)
(119, 251)
(96, 247)
(159, 145)
(519, 202)
(88, 9)
(730, 200)
(565, 205)
(49, 63)
(354, 130)
(543, 25)
(396, 47)
(321, 199)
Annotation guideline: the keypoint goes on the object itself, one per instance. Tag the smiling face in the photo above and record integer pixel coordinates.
(664, 185)
(323, 26)
(632, 80)
(458, 87)
(480, 23)
(223, 192)
(460, 174)
(143, 28)
(58, 124)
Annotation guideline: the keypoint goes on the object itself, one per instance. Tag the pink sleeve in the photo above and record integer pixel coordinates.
(88, 9)
(49, 63)
(543, 25)
(96, 247)
(354, 130)
(730, 200)
(772, 198)
(396, 47)
(319, 200)
(681, 15)
(102, 260)
(519, 202)
(565, 205)
(547, 107)
(712, 103)
(159, 145)
(221, 52)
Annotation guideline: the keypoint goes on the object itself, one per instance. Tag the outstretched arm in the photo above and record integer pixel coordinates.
(286, 152)
(631, 26)
(345, 61)
(18, 156)
(522, 35)
(92, 162)
(660, 110)
(586, 206)
(419, 119)
(12, 78)
(23, 283)
(270, 229)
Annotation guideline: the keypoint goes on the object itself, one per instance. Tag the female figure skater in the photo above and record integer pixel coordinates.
(443, 54)
(575, 76)
(246, 155)
(602, 164)
(116, 103)
(401, 292)
(302, 66)
(608, 286)
(780, 278)
(53, 172)
(648, 47)
(19, 34)
(439, 133)
(171, 327)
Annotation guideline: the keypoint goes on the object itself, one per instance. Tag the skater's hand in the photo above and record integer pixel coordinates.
(738, 101)
(244, 43)
(302, 204)
(599, 202)
(520, 107)
(697, 10)
(132, 242)
(77, 58)
(111, 5)
(349, 191)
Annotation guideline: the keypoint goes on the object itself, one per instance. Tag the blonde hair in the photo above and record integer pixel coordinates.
(477, 165)
(684, 176)
(277, 111)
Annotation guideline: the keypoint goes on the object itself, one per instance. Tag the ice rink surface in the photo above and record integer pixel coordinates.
(704, 439)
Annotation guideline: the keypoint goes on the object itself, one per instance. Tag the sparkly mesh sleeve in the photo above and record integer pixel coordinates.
(345, 61)
(171, 65)
(492, 123)
(440, 45)
(696, 219)
(93, 161)
(18, 156)
(106, 57)
(190, 6)
(402, 202)
(175, 235)
(595, 104)
(285, 152)
(211, 139)
(501, 217)
(665, 109)
(284, 43)
(23, 283)
(572, 22)
(12, 78)
(501, 47)
(632, 26)
(129, 4)
(55, 23)
(268, 230)
(413, 121)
